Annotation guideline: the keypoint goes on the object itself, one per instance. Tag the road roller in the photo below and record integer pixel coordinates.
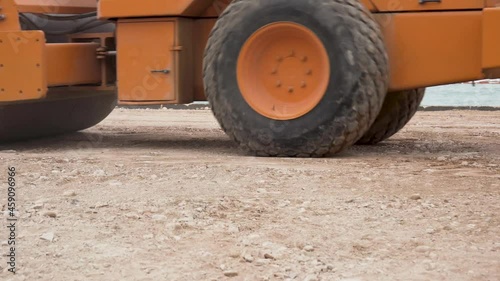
(287, 78)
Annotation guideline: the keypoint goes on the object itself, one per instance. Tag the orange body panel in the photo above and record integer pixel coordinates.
(148, 8)
(72, 64)
(492, 3)
(22, 75)
(150, 68)
(428, 49)
(414, 5)
(56, 6)
(491, 37)
(9, 17)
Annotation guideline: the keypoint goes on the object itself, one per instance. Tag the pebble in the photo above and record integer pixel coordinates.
(49, 236)
(50, 214)
(69, 193)
(268, 256)
(422, 249)
(415, 197)
(230, 273)
(159, 218)
(248, 258)
(309, 248)
(115, 183)
(234, 254)
(311, 278)
(37, 206)
(99, 173)
(262, 262)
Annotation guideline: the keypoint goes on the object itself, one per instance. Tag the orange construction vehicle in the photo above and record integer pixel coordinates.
(283, 77)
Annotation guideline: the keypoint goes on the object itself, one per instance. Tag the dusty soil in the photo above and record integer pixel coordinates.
(165, 195)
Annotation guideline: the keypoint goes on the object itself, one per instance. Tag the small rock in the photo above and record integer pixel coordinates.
(311, 278)
(422, 249)
(415, 197)
(115, 183)
(37, 206)
(69, 193)
(49, 236)
(4, 243)
(441, 159)
(233, 229)
(234, 254)
(230, 273)
(430, 231)
(309, 248)
(159, 217)
(262, 262)
(50, 214)
(99, 173)
(447, 228)
(248, 258)
(268, 256)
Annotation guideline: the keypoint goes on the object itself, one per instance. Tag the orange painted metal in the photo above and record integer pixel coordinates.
(141, 61)
(56, 6)
(491, 37)
(108, 64)
(283, 70)
(415, 5)
(149, 8)
(72, 64)
(428, 49)
(159, 66)
(22, 75)
(9, 17)
(492, 3)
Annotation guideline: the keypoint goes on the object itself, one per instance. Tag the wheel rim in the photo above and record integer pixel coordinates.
(283, 71)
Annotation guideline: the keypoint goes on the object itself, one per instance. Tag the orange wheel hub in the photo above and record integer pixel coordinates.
(283, 71)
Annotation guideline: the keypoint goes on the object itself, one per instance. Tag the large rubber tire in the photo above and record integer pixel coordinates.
(357, 87)
(397, 111)
(64, 111)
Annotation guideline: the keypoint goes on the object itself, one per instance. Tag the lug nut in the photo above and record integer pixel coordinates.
(305, 58)
(278, 84)
(303, 84)
(291, 89)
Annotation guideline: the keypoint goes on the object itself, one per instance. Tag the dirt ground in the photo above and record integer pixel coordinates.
(165, 195)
